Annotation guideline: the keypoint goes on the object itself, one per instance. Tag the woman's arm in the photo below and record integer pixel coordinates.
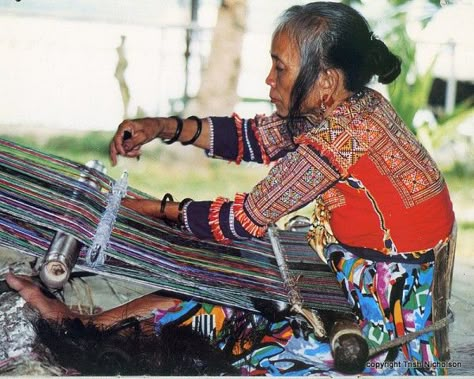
(260, 139)
(54, 310)
(131, 135)
(297, 179)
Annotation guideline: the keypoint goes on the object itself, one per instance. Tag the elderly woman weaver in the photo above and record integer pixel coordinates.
(382, 206)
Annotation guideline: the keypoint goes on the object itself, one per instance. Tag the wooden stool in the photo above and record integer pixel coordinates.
(442, 281)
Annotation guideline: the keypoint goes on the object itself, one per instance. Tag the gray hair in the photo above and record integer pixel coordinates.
(334, 35)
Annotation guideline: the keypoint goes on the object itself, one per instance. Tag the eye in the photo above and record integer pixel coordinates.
(279, 68)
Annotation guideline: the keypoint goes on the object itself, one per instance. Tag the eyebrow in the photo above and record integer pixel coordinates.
(276, 57)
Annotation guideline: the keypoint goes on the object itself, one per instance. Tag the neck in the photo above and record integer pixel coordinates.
(339, 97)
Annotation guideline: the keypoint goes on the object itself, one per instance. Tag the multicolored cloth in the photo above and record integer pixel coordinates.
(390, 299)
(255, 345)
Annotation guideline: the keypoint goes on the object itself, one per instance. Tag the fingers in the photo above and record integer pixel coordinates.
(126, 141)
(113, 153)
(24, 286)
(116, 146)
(18, 282)
(131, 135)
(48, 308)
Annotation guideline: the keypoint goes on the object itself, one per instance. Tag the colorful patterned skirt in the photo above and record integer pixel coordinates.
(389, 299)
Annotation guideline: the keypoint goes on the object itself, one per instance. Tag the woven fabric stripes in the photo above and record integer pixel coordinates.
(41, 194)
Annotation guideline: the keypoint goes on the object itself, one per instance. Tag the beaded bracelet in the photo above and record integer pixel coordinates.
(169, 197)
(180, 209)
(198, 131)
(177, 133)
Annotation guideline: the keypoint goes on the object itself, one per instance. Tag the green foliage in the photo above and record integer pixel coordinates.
(397, 3)
(25, 140)
(351, 2)
(92, 142)
(410, 92)
(448, 125)
(468, 225)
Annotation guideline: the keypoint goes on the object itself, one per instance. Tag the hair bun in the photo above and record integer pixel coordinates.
(384, 64)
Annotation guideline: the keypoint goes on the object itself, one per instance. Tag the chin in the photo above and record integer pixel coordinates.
(281, 112)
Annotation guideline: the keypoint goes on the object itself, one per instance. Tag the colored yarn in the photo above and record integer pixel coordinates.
(36, 201)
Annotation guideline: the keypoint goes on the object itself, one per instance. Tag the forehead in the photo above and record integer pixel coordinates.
(284, 49)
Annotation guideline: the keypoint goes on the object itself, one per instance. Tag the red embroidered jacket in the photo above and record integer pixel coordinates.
(383, 189)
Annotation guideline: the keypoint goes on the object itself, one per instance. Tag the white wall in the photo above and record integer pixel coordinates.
(57, 70)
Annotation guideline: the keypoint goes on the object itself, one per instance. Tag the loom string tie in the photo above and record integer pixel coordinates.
(96, 254)
(294, 296)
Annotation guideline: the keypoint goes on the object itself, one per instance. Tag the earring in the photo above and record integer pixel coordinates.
(327, 101)
(323, 107)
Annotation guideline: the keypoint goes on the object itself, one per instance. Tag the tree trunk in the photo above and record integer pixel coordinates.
(217, 94)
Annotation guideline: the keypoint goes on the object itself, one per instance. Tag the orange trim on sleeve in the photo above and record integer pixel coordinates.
(214, 222)
(240, 138)
(265, 157)
(241, 216)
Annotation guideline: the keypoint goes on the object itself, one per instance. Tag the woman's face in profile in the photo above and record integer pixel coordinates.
(283, 73)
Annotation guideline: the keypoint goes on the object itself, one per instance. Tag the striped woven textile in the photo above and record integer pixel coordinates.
(41, 194)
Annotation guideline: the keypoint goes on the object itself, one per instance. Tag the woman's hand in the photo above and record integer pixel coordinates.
(51, 309)
(131, 135)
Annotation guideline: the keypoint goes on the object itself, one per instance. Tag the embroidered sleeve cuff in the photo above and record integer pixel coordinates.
(244, 219)
(235, 139)
(214, 220)
(195, 216)
(224, 139)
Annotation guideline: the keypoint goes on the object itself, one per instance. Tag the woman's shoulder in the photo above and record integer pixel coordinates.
(366, 99)
(367, 107)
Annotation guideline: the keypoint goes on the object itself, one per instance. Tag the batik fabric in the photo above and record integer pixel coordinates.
(390, 300)
(258, 347)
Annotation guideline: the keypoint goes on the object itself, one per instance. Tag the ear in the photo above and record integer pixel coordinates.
(329, 81)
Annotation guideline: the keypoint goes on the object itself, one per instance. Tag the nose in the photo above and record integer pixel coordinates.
(270, 80)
